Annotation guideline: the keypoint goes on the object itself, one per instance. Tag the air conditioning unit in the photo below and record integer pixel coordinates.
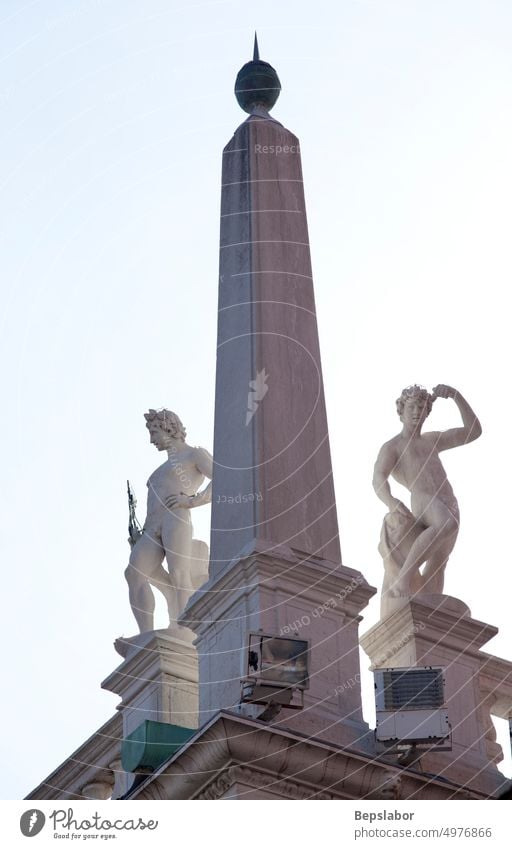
(410, 708)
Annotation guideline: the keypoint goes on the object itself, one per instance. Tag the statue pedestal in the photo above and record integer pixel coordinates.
(283, 594)
(437, 630)
(158, 680)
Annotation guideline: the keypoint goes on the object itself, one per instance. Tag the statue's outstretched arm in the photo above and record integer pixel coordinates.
(471, 428)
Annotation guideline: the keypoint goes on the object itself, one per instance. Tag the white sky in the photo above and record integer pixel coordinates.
(114, 115)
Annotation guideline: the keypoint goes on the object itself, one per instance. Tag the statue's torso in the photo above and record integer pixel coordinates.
(178, 474)
(418, 467)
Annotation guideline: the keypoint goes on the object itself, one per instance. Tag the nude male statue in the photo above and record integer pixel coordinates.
(426, 535)
(167, 532)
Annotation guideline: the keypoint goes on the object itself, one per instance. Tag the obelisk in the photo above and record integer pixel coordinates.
(273, 477)
(275, 555)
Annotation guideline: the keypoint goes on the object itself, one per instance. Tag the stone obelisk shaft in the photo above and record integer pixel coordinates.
(272, 480)
(275, 562)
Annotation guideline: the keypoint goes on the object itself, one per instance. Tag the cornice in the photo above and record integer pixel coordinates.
(460, 633)
(496, 680)
(310, 765)
(259, 780)
(161, 654)
(260, 571)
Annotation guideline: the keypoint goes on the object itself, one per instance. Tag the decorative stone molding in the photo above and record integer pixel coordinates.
(222, 753)
(391, 787)
(262, 781)
(120, 777)
(156, 791)
(97, 790)
(219, 787)
(496, 679)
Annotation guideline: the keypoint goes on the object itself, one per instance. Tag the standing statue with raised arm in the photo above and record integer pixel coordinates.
(167, 532)
(424, 535)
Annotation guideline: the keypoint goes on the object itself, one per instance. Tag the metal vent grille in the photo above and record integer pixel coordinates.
(413, 688)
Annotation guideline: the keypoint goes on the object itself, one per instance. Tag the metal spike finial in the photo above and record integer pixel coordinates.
(256, 55)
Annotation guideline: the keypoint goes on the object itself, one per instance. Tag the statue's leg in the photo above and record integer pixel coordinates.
(443, 526)
(146, 558)
(433, 574)
(161, 581)
(177, 541)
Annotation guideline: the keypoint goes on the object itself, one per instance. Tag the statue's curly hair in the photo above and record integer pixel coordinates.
(167, 421)
(414, 391)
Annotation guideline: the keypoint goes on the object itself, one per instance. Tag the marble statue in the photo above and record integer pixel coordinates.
(167, 532)
(425, 535)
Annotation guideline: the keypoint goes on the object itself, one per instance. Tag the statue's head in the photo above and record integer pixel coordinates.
(164, 426)
(415, 403)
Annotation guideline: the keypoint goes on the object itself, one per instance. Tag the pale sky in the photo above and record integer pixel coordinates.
(114, 115)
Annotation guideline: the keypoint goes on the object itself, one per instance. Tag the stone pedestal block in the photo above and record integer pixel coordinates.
(282, 594)
(438, 630)
(158, 680)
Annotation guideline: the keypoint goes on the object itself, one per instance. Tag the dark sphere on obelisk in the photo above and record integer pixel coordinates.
(257, 83)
